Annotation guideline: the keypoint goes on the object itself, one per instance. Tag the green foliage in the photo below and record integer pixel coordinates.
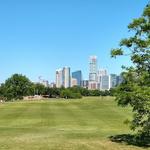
(135, 90)
(15, 87)
(115, 52)
(39, 89)
(18, 86)
(85, 92)
(68, 93)
(52, 92)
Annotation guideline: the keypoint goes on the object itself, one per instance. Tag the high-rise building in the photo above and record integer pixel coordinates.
(66, 75)
(100, 73)
(93, 68)
(104, 85)
(112, 80)
(93, 73)
(78, 76)
(63, 77)
(59, 78)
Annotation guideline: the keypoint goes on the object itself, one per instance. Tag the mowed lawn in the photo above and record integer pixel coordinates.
(61, 124)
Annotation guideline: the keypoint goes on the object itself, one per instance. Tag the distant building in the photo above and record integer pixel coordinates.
(74, 82)
(93, 85)
(93, 73)
(93, 68)
(104, 85)
(66, 73)
(52, 85)
(112, 80)
(85, 84)
(100, 73)
(59, 78)
(78, 76)
(45, 83)
(63, 77)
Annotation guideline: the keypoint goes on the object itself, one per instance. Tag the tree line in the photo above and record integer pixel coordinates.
(18, 86)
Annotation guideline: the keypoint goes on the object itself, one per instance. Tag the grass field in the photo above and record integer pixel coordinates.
(82, 124)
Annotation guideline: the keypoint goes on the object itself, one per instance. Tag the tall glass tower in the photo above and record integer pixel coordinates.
(78, 76)
(93, 68)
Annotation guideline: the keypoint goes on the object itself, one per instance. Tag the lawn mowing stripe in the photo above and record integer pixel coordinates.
(47, 114)
(11, 115)
(95, 118)
(63, 125)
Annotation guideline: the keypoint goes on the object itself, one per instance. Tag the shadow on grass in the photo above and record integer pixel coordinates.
(140, 141)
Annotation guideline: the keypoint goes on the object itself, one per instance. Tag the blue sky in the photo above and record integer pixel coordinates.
(39, 36)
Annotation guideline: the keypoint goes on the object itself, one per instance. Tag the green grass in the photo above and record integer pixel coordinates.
(82, 124)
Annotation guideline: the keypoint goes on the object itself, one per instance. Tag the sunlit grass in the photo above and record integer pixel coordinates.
(83, 124)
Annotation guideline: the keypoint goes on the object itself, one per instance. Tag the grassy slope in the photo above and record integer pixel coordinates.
(62, 125)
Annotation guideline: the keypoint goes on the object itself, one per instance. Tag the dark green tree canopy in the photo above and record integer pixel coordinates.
(135, 90)
(16, 87)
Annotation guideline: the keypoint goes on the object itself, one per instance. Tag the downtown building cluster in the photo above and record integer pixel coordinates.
(98, 78)
(64, 79)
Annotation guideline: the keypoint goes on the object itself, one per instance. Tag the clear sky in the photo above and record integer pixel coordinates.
(39, 36)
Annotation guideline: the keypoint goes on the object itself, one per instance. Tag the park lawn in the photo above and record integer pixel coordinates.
(83, 124)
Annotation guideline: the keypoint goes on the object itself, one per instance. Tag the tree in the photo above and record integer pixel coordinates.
(52, 92)
(85, 92)
(135, 89)
(15, 87)
(68, 93)
(95, 92)
(39, 89)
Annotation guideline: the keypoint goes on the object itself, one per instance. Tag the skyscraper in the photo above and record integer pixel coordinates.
(66, 77)
(93, 73)
(63, 77)
(59, 78)
(100, 73)
(78, 76)
(93, 68)
(104, 85)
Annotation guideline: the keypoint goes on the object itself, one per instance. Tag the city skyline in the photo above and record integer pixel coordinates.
(99, 79)
(53, 34)
(64, 76)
